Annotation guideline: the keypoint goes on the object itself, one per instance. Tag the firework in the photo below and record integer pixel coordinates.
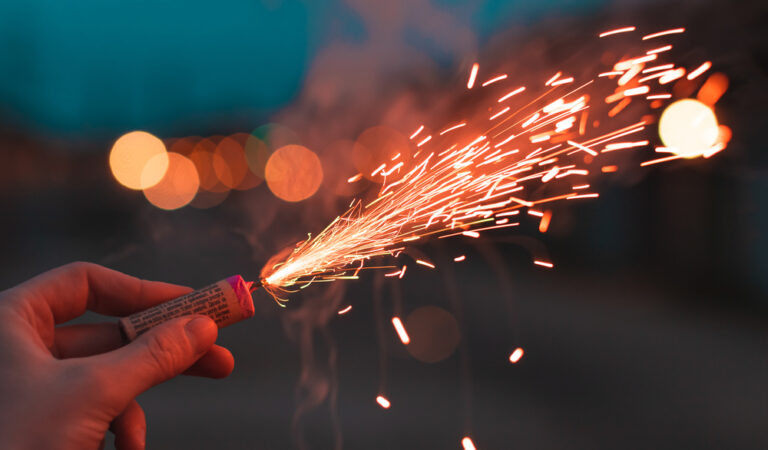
(476, 173)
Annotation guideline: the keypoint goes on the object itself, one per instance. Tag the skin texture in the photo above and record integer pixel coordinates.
(64, 386)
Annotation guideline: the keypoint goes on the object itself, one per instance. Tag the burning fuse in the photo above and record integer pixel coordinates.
(226, 302)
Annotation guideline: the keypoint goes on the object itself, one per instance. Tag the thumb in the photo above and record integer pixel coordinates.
(158, 355)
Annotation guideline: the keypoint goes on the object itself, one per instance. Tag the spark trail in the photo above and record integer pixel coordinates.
(473, 174)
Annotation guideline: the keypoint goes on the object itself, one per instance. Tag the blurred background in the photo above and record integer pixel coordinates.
(651, 331)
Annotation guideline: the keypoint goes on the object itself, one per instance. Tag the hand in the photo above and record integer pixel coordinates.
(63, 387)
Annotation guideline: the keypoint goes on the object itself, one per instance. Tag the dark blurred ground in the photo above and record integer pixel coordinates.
(650, 333)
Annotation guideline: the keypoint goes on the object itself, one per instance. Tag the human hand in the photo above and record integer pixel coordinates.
(64, 386)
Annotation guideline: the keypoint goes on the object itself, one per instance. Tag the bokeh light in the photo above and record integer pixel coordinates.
(434, 334)
(202, 157)
(129, 157)
(179, 185)
(688, 128)
(263, 141)
(293, 173)
(229, 162)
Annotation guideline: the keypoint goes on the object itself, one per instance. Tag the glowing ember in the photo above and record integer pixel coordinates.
(460, 258)
(479, 169)
(468, 444)
(472, 76)
(383, 402)
(401, 333)
(345, 310)
(516, 355)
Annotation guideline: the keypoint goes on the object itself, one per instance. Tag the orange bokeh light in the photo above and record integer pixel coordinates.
(130, 156)
(293, 173)
(202, 157)
(179, 185)
(229, 162)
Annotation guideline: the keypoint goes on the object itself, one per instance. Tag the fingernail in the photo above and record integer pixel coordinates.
(201, 331)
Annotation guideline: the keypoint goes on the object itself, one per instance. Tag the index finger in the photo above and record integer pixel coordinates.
(68, 291)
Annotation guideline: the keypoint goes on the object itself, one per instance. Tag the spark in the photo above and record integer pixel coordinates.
(664, 33)
(637, 91)
(660, 160)
(467, 443)
(468, 178)
(574, 197)
(425, 263)
(401, 333)
(512, 93)
(672, 75)
(545, 220)
(344, 311)
(616, 31)
(499, 113)
(383, 402)
(455, 127)
(472, 75)
(554, 77)
(563, 81)
(515, 356)
(460, 258)
(624, 145)
(493, 80)
(659, 50)
(658, 68)
(698, 71)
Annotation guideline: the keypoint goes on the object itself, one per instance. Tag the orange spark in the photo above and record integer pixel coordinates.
(609, 169)
(493, 80)
(453, 128)
(472, 75)
(425, 263)
(398, 324)
(416, 133)
(552, 80)
(664, 33)
(460, 258)
(383, 402)
(544, 223)
(354, 178)
(563, 81)
(510, 94)
(344, 311)
(515, 356)
(616, 31)
(698, 71)
(467, 443)
(659, 50)
(546, 264)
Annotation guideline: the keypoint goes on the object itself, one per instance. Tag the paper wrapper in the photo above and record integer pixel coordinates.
(226, 302)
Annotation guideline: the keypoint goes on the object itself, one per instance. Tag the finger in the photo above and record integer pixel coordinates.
(76, 341)
(217, 363)
(130, 428)
(69, 290)
(156, 356)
